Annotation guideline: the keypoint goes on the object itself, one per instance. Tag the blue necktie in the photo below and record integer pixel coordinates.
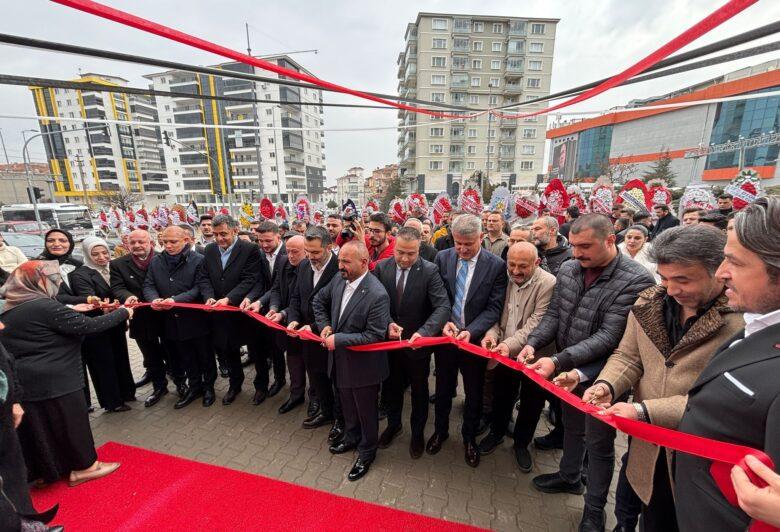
(460, 292)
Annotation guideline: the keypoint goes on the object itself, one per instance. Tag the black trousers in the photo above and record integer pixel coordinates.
(361, 418)
(154, 360)
(173, 364)
(449, 360)
(297, 368)
(232, 357)
(328, 395)
(506, 382)
(197, 356)
(108, 361)
(265, 352)
(660, 515)
(408, 368)
(628, 505)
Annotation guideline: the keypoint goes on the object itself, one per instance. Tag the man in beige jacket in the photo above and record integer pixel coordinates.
(527, 298)
(672, 332)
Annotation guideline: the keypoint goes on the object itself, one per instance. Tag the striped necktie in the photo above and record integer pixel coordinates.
(460, 292)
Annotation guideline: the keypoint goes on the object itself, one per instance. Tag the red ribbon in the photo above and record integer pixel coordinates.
(722, 454)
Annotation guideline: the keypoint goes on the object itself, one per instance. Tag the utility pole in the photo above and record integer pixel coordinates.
(490, 129)
(30, 189)
(80, 162)
(255, 123)
(5, 152)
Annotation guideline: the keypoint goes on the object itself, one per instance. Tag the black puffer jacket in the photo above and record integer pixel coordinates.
(587, 325)
(557, 255)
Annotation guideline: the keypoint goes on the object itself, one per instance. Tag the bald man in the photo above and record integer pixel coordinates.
(172, 278)
(528, 295)
(427, 251)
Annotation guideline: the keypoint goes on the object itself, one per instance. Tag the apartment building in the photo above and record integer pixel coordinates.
(379, 181)
(476, 62)
(352, 186)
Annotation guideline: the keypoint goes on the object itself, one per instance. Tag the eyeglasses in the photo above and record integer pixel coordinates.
(376, 231)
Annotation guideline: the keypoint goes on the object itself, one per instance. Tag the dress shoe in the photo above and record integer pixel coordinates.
(472, 453)
(101, 470)
(336, 432)
(342, 447)
(435, 442)
(483, 426)
(245, 359)
(223, 371)
(181, 389)
(553, 483)
(290, 404)
(359, 470)
(624, 528)
(143, 381)
(593, 519)
(314, 409)
(157, 394)
(387, 436)
(189, 397)
(416, 447)
(548, 442)
(231, 395)
(523, 459)
(317, 421)
(489, 443)
(121, 408)
(209, 397)
(275, 388)
(259, 397)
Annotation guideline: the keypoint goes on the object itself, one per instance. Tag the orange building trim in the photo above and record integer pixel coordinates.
(721, 90)
(723, 174)
(647, 157)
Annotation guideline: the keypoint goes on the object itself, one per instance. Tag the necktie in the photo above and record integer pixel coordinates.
(399, 288)
(460, 292)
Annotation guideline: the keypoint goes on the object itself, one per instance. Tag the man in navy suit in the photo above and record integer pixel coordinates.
(476, 284)
(354, 309)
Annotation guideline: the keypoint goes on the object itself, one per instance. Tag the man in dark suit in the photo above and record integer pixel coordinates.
(314, 274)
(736, 397)
(127, 280)
(427, 251)
(419, 307)
(355, 310)
(172, 278)
(665, 221)
(476, 286)
(229, 271)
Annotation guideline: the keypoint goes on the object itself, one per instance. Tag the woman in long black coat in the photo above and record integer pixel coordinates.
(105, 353)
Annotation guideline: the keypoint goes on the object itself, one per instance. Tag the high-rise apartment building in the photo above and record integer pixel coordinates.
(477, 62)
(206, 164)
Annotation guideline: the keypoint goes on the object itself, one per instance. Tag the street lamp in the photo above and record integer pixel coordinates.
(26, 159)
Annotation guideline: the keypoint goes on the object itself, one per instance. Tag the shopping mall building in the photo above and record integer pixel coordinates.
(634, 139)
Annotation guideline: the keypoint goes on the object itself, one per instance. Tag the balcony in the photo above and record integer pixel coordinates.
(461, 25)
(517, 27)
(460, 45)
(513, 88)
(295, 159)
(459, 81)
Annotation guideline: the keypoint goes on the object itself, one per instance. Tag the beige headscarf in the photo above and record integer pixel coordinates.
(87, 245)
(32, 280)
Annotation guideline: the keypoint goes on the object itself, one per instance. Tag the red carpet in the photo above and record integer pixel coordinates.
(155, 492)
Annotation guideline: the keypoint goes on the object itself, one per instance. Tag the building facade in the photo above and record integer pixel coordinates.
(95, 157)
(636, 139)
(476, 62)
(206, 164)
(352, 186)
(379, 180)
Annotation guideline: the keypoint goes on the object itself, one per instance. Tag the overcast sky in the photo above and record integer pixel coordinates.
(358, 43)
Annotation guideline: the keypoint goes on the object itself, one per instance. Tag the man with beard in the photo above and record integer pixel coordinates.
(552, 246)
(378, 239)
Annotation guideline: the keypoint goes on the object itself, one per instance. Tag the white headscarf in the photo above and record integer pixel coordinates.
(87, 245)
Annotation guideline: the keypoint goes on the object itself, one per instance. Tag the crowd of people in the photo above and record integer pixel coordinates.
(667, 323)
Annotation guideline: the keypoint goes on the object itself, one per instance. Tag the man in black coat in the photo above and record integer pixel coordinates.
(127, 281)
(736, 398)
(427, 251)
(172, 278)
(419, 306)
(476, 285)
(314, 274)
(665, 220)
(355, 310)
(229, 271)
(552, 246)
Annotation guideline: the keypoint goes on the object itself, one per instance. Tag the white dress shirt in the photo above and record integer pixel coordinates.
(758, 322)
(348, 291)
(272, 257)
(318, 273)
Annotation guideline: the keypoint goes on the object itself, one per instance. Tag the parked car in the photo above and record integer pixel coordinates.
(29, 228)
(31, 245)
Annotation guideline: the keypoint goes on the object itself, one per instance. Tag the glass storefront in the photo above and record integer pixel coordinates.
(593, 151)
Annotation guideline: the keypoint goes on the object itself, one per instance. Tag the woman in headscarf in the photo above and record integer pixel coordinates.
(636, 246)
(44, 336)
(105, 353)
(59, 246)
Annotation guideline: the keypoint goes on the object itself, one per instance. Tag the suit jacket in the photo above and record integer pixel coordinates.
(428, 252)
(127, 280)
(736, 399)
(234, 281)
(285, 277)
(424, 306)
(179, 283)
(271, 275)
(485, 298)
(364, 320)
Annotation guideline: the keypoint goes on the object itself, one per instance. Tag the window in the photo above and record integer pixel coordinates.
(456, 132)
(271, 140)
(536, 47)
(534, 65)
(472, 150)
(461, 44)
(493, 100)
(459, 63)
(529, 133)
(439, 131)
(476, 64)
(498, 46)
(474, 99)
(477, 46)
(492, 134)
(472, 133)
(476, 82)
(439, 24)
(462, 24)
(528, 149)
(269, 112)
(526, 165)
(514, 64)
(440, 44)
(537, 29)
(470, 165)
(435, 165)
(438, 61)
(456, 166)
(479, 27)
(437, 97)
(534, 83)
(490, 165)
(458, 97)
(491, 149)
(498, 28)
(438, 79)
(494, 82)
(437, 148)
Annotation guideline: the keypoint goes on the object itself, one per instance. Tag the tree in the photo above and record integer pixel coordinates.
(122, 199)
(661, 169)
(393, 191)
(332, 205)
